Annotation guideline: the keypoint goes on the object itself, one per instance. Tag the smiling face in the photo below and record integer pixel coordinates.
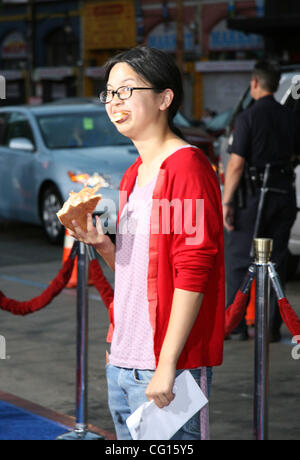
(137, 117)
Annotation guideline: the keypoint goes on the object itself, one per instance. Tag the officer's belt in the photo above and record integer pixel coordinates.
(255, 177)
(280, 180)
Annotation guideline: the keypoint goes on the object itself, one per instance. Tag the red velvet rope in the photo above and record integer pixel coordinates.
(106, 292)
(289, 317)
(234, 314)
(101, 284)
(24, 308)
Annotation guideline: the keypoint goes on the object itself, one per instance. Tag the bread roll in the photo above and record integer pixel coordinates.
(78, 206)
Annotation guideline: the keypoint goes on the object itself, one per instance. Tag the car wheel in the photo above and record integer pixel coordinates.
(293, 264)
(51, 203)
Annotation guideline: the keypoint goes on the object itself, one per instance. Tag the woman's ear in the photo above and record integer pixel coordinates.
(167, 98)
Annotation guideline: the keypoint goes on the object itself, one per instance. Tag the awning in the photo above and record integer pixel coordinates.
(53, 73)
(95, 72)
(266, 25)
(12, 74)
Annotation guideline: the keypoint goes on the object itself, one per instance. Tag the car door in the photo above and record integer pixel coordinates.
(3, 170)
(17, 175)
(294, 103)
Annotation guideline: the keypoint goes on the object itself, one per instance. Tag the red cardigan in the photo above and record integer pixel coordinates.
(185, 175)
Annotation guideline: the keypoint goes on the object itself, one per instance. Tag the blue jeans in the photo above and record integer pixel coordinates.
(126, 392)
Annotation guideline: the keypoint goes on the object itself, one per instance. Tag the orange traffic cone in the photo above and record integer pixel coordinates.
(68, 244)
(250, 312)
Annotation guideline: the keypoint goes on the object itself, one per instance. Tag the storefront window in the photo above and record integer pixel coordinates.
(61, 48)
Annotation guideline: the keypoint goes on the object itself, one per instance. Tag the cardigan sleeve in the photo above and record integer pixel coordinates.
(196, 244)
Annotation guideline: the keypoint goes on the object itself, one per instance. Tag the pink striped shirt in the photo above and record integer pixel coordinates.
(132, 344)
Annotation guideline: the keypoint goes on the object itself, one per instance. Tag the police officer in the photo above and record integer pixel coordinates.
(264, 134)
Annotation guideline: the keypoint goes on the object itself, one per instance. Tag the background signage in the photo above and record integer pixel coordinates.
(224, 39)
(109, 25)
(164, 36)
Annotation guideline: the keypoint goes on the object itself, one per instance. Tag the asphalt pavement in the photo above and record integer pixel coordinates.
(40, 362)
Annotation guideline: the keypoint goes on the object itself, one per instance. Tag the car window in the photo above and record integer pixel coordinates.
(244, 103)
(294, 104)
(3, 117)
(284, 88)
(247, 100)
(219, 121)
(78, 130)
(281, 96)
(291, 103)
(17, 126)
(296, 107)
(180, 120)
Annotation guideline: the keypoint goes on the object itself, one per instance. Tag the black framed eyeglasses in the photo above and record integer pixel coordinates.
(124, 92)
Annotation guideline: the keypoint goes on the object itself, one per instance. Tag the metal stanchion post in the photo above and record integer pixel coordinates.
(275, 280)
(263, 249)
(246, 286)
(80, 431)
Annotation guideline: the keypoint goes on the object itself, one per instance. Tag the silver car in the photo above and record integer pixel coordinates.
(47, 151)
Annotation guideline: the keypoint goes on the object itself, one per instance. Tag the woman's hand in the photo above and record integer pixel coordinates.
(160, 388)
(185, 309)
(94, 235)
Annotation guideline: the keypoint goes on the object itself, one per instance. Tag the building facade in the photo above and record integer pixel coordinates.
(39, 50)
(279, 25)
(51, 49)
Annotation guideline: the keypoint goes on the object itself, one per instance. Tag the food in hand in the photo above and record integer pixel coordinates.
(78, 206)
(118, 116)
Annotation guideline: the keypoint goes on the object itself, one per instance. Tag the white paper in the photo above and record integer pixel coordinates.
(152, 423)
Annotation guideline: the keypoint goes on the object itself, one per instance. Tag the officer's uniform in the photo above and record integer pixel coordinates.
(264, 133)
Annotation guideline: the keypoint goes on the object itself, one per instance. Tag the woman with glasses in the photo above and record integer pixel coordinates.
(168, 312)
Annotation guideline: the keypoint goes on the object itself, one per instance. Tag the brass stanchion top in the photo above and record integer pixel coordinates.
(263, 248)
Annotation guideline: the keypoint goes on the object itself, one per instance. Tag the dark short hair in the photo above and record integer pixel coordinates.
(157, 68)
(268, 75)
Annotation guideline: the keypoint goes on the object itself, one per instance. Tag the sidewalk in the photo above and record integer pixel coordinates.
(231, 407)
(42, 349)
